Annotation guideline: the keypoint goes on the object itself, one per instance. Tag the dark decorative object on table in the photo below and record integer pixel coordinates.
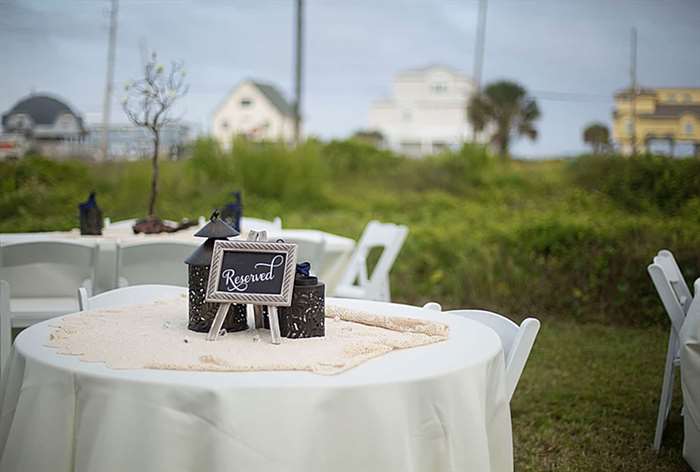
(305, 318)
(199, 263)
(90, 216)
(233, 212)
(154, 225)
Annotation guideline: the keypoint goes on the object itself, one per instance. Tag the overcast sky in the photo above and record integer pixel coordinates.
(571, 54)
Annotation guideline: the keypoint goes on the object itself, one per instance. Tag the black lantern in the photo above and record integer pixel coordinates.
(90, 216)
(305, 317)
(202, 313)
(233, 212)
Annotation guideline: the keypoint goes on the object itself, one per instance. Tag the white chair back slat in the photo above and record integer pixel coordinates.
(153, 262)
(669, 298)
(132, 295)
(48, 268)
(517, 341)
(388, 236)
(668, 263)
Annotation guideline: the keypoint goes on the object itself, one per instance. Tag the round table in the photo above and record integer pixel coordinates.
(440, 407)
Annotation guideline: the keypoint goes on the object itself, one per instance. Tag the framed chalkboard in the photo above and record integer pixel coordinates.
(259, 273)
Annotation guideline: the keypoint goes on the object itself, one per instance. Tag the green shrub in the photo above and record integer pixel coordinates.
(641, 183)
(520, 238)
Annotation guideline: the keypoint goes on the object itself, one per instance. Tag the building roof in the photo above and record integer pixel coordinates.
(275, 97)
(432, 67)
(627, 93)
(43, 109)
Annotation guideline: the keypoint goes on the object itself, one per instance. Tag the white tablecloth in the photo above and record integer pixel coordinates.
(434, 408)
(690, 383)
(336, 257)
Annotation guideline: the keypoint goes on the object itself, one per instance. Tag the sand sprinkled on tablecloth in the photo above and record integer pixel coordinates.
(155, 336)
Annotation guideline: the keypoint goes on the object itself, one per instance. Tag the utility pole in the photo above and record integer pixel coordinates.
(633, 89)
(479, 51)
(297, 70)
(110, 78)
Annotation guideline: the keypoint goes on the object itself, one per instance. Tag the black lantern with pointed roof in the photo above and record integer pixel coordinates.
(201, 313)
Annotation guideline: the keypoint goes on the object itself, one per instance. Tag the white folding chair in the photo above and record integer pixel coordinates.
(153, 262)
(128, 296)
(355, 282)
(663, 275)
(41, 278)
(517, 340)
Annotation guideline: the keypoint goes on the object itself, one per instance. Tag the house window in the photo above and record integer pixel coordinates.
(411, 148)
(439, 87)
(439, 146)
(672, 98)
(406, 115)
(688, 128)
(687, 98)
(246, 102)
(629, 127)
(224, 124)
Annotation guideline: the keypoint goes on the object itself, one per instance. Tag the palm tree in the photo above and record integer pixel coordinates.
(597, 135)
(506, 107)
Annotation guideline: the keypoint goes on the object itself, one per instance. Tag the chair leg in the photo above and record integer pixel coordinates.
(5, 326)
(5, 345)
(666, 394)
(385, 291)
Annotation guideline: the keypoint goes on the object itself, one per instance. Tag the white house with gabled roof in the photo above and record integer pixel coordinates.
(256, 110)
(426, 112)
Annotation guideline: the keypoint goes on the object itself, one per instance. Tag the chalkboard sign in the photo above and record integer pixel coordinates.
(259, 273)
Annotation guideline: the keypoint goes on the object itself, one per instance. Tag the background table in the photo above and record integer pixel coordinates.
(336, 256)
(440, 407)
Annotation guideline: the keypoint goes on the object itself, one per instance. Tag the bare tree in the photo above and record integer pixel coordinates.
(148, 103)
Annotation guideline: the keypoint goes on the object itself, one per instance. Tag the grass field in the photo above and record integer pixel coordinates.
(566, 241)
(588, 398)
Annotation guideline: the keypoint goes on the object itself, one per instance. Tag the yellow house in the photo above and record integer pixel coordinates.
(669, 116)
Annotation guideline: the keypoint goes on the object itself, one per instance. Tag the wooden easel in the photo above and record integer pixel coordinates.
(272, 314)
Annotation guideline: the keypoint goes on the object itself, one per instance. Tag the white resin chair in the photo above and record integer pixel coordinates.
(676, 299)
(153, 262)
(128, 296)
(40, 279)
(355, 282)
(517, 340)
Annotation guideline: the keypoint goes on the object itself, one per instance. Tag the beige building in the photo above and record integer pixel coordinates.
(255, 110)
(661, 119)
(426, 112)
